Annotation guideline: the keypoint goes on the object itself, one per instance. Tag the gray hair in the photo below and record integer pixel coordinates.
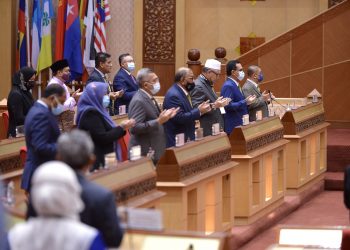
(252, 69)
(142, 75)
(75, 148)
(181, 73)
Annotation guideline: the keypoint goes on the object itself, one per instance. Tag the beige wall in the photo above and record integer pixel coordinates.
(213, 23)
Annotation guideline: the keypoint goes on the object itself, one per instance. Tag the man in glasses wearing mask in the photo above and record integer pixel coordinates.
(178, 96)
(61, 75)
(41, 131)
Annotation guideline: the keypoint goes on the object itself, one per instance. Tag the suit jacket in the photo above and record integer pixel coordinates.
(259, 104)
(236, 108)
(102, 134)
(184, 121)
(126, 82)
(147, 131)
(100, 211)
(203, 92)
(41, 130)
(95, 76)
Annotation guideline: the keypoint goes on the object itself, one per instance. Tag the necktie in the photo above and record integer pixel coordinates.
(133, 79)
(189, 99)
(156, 104)
(258, 89)
(111, 107)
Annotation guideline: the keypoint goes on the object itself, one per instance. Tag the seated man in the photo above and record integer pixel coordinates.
(178, 96)
(100, 206)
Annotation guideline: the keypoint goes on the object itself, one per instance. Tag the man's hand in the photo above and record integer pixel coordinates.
(167, 114)
(128, 124)
(265, 95)
(204, 107)
(221, 102)
(76, 94)
(250, 99)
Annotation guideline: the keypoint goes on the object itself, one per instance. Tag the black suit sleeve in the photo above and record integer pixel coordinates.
(108, 223)
(347, 187)
(93, 122)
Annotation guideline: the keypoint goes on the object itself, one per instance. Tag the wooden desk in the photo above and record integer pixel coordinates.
(10, 162)
(198, 180)
(259, 179)
(118, 119)
(306, 130)
(134, 183)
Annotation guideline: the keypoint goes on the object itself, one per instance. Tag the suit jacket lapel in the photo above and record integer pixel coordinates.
(187, 103)
(149, 101)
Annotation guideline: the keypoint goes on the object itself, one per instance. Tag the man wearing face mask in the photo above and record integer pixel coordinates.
(251, 87)
(20, 99)
(42, 131)
(203, 91)
(148, 131)
(232, 89)
(178, 97)
(61, 76)
(125, 81)
(103, 66)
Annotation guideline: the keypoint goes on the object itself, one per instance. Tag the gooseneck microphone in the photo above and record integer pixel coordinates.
(274, 99)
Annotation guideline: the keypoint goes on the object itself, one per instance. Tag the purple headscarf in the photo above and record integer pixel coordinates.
(92, 99)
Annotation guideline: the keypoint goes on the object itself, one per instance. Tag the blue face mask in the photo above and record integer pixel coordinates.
(131, 66)
(105, 101)
(58, 109)
(260, 77)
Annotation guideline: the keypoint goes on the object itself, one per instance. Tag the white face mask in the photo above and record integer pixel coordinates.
(156, 88)
(240, 75)
(131, 66)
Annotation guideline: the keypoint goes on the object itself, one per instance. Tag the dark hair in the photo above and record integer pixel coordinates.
(231, 65)
(180, 73)
(101, 57)
(251, 70)
(54, 89)
(121, 57)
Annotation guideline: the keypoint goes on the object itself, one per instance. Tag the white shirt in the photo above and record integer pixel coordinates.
(234, 81)
(43, 103)
(70, 102)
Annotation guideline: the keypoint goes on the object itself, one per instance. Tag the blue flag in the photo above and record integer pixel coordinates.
(72, 39)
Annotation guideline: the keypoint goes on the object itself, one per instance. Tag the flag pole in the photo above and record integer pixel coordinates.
(27, 33)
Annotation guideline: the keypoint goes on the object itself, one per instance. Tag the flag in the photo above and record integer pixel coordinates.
(72, 49)
(22, 38)
(36, 30)
(60, 28)
(89, 52)
(102, 14)
(45, 56)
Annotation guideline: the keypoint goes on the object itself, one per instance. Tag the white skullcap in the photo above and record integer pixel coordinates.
(213, 64)
(56, 190)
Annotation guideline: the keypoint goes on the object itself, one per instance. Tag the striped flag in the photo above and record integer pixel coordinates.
(102, 14)
(22, 38)
(45, 56)
(60, 29)
(89, 52)
(36, 30)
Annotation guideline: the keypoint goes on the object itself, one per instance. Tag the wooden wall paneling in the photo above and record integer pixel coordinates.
(307, 50)
(280, 87)
(336, 91)
(302, 84)
(337, 38)
(159, 39)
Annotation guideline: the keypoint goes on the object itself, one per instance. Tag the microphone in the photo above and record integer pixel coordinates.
(274, 99)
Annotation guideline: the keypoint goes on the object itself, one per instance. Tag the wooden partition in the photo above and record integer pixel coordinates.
(306, 130)
(198, 180)
(133, 182)
(259, 179)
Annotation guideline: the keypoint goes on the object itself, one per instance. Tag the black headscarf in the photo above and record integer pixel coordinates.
(21, 82)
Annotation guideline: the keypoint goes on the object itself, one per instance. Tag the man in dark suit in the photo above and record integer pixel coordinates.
(125, 81)
(231, 89)
(251, 87)
(41, 131)
(148, 131)
(103, 66)
(100, 206)
(204, 91)
(178, 97)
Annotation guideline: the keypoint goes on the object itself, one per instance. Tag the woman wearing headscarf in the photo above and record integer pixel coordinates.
(56, 198)
(94, 118)
(20, 99)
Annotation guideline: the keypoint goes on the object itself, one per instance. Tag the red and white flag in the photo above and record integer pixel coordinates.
(102, 14)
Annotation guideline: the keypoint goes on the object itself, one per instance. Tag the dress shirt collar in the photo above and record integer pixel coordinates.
(184, 90)
(254, 83)
(55, 79)
(103, 75)
(233, 81)
(126, 71)
(43, 103)
(150, 96)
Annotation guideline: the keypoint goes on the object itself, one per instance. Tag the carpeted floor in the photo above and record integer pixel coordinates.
(326, 209)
